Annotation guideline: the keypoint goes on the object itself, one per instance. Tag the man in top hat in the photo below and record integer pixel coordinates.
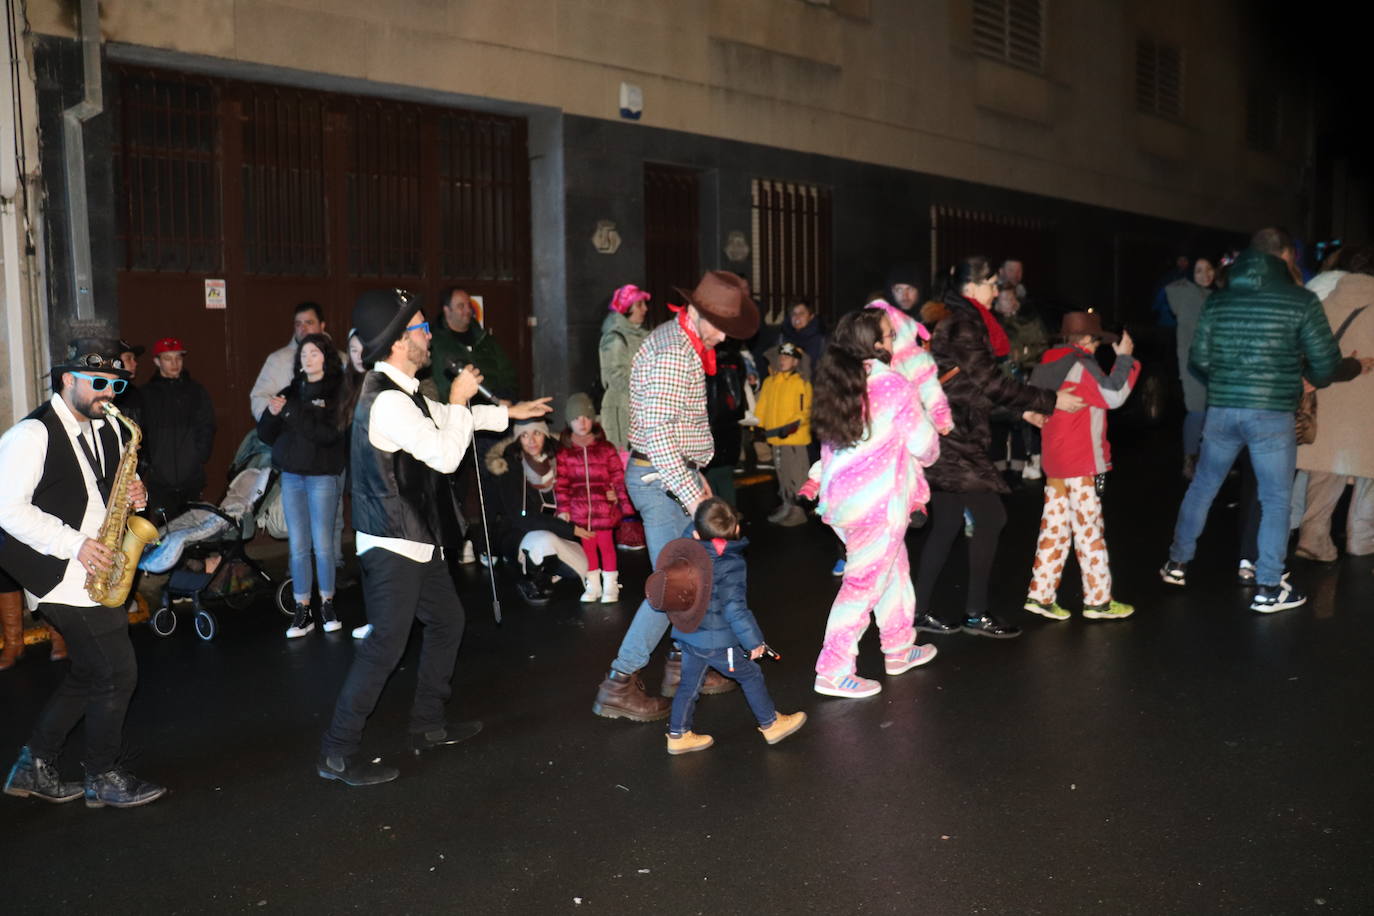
(670, 442)
(58, 465)
(178, 431)
(402, 443)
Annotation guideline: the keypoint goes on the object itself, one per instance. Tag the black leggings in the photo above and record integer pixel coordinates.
(946, 521)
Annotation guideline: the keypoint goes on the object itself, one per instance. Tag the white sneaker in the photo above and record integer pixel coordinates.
(1032, 469)
(362, 632)
(469, 555)
(592, 592)
(610, 587)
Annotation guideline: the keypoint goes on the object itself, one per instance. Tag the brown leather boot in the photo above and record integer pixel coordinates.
(12, 621)
(59, 645)
(672, 676)
(622, 696)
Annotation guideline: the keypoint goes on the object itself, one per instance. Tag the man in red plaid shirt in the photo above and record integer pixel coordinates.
(670, 441)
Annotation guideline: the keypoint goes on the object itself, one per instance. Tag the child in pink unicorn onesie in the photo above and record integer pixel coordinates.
(870, 481)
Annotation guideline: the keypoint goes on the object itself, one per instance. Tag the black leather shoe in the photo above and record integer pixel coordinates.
(353, 772)
(987, 625)
(452, 733)
(120, 789)
(33, 777)
(534, 593)
(928, 623)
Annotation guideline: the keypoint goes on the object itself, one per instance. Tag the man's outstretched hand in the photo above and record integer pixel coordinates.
(527, 410)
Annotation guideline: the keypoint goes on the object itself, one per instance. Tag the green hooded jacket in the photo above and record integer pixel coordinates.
(1260, 336)
(485, 353)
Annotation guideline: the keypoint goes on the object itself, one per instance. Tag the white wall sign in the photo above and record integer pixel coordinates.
(215, 294)
(606, 240)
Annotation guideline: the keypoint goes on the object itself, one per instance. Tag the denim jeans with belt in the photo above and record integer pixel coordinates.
(310, 503)
(696, 662)
(1269, 435)
(664, 520)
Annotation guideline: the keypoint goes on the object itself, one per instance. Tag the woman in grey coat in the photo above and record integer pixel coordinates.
(1186, 298)
(621, 334)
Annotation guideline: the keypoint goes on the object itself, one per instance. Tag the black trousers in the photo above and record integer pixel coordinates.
(946, 520)
(397, 591)
(98, 685)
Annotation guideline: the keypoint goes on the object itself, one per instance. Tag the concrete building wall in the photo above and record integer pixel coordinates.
(885, 82)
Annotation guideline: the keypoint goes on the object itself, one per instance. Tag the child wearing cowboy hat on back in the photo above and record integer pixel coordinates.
(700, 583)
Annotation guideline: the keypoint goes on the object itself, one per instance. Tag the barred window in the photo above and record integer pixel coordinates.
(791, 224)
(283, 183)
(168, 188)
(672, 227)
(958, 232)
(483, 203)
(1261, 118)
(1010, 31)
(383, 182)
(1158, 78)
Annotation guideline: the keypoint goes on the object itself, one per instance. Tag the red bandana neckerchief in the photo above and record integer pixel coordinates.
(719, 544)
(1001, 344)
(708, 355)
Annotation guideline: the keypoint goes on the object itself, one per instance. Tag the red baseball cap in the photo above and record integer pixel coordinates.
(169, 345)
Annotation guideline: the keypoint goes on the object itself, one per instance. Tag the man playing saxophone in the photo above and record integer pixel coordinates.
(59, 466)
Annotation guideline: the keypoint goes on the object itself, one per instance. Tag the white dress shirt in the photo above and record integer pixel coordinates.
(23, 452)
(397, 424)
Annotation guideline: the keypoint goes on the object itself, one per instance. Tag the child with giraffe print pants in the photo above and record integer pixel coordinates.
(1075, 455)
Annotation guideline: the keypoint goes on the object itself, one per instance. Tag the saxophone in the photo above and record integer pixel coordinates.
(122, 532)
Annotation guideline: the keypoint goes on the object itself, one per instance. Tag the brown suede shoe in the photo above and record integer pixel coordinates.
(672, 676)
(622, 696)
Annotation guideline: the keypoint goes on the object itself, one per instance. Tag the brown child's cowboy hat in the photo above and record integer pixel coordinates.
(724, 299)
(1076, 324)
(681, 584)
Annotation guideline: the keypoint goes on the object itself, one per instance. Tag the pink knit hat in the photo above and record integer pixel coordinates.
(627, 296)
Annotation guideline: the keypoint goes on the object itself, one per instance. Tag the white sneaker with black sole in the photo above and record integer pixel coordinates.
(1281, 597)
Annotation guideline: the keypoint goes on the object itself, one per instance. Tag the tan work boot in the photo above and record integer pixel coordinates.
(689, 741)
(59, 645)
(785, 724)
(12, 620)
(622, 696)
(714, 683)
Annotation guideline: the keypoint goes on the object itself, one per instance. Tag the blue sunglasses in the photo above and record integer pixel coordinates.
(100, 382)
(422, 326)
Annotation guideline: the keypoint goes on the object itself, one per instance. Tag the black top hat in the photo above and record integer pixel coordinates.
(379, 317)
(95, 354)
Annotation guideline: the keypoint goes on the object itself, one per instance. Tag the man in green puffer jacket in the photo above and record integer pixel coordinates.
(1256, 341)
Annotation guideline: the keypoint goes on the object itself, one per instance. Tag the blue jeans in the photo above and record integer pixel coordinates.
(664, 520)
(696, 662)
(310, 503)
(1270, 437)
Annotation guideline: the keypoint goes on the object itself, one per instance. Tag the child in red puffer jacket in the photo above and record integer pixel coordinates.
(590, 491)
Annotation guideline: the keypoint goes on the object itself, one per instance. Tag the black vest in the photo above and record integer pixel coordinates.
(395, 495)
(61, 492)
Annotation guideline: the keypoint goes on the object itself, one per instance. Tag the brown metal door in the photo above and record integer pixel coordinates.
(292, 195)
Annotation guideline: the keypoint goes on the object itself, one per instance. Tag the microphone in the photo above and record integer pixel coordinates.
(451, 370)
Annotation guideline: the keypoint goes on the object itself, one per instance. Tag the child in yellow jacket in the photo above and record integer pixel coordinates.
(784, 412)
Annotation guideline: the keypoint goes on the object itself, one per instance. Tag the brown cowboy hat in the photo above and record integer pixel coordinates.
(681, 583)
(724, 299)
(1076, 324)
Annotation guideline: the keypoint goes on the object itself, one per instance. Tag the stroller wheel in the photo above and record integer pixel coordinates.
(286, 601)
(163, 621)
(206, 625)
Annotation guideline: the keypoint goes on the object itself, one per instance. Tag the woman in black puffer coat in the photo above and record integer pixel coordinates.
(964, 479)
(304, 426)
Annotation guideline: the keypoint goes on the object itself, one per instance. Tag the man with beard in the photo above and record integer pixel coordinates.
(59, 464)
(402, 443)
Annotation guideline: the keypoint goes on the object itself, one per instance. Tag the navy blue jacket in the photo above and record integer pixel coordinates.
(728, 622)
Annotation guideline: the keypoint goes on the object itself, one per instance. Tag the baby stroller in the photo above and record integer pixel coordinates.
(203, 532)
